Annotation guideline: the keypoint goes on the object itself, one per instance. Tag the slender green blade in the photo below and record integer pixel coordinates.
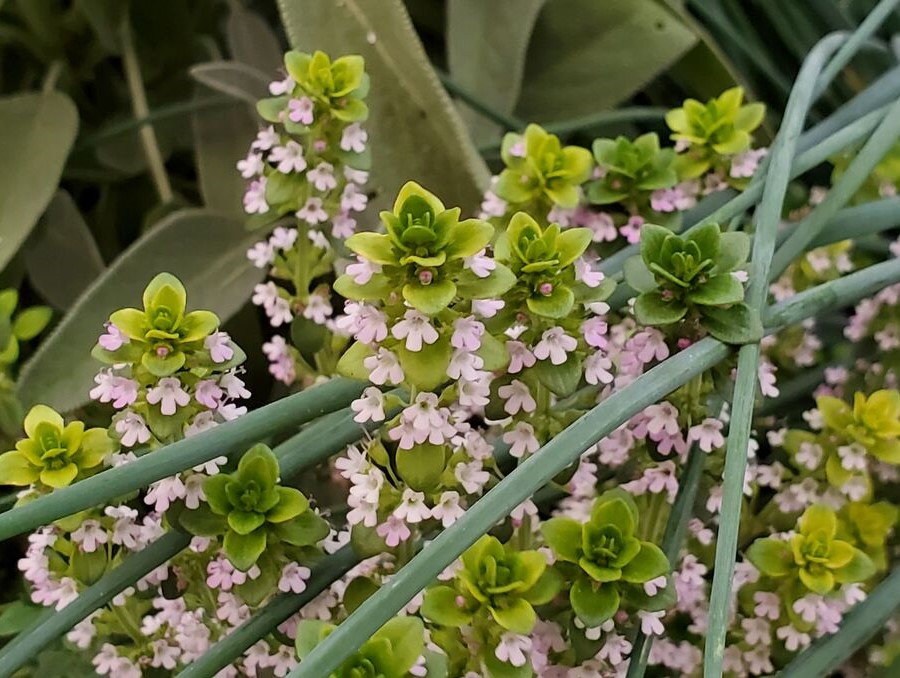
(226, 438)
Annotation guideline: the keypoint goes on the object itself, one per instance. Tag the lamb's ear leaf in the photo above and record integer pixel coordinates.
(403, 73)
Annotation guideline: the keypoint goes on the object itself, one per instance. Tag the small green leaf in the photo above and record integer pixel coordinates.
(439, 606)
(351, 362)
(718, 291)
(421, 467)
(563, 536)
(638, 276)
(558, 304)
(563, 379)
(426, 369)
(771, 556)
(407, 638)
(593, 604)
(202, 522)
(734, 248)
(243, 550)
(651, 308)
(737, 324)
(432, 298)
(649, 563)
(88, 568)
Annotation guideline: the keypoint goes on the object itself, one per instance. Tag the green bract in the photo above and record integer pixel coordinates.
(390, 653)
(250, 508)
(814, 554)
(873, 421)
(421, 254)
(340, 84)
(24, 325)
(542, 261)
(161, 336)
(693, 274)
(504, 583)
(607, 554)
(631, 168)
(721, 127)
(539, 167)
(53, 453)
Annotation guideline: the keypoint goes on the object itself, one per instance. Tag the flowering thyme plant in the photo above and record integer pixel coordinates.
(458, 460)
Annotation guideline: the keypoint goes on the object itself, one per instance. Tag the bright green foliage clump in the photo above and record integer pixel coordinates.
(691, 278)
(340, 84)
(873, 422)
(14, 329)
(501, 582)
(632, 169)
(54, 453)
(541, 260)
(422, 254)
(494, 592)
(162, 336)
(603, 558)
(17, 327)
(540, 171)
(720, 127)
(390, 653)
(253, 511)
(814, 554)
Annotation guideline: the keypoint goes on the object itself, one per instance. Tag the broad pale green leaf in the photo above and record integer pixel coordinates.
(62, 236)
(587, 56)
(412, 120)
(252, 41)
(222, 136)
(36, 133)
(235, 79)
(489, 68)
(206, 251)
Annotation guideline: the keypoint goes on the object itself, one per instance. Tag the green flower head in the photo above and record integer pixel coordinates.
(632, 169)
(250, 508)
(720, 127)
(421, 253)
(390, 653)
(540, 168)
(498, 580)
(606, 551)
(162, 335)
(676, 274)
(54, 453)
(873, 421)
(340, 84)
(814, 554)
(543, 261)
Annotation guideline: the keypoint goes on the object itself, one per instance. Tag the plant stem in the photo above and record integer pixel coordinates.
(232, 436)
(564, 449)
(141, 110)
(744, 399)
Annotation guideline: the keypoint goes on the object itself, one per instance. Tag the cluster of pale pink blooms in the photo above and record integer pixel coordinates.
(331, 194)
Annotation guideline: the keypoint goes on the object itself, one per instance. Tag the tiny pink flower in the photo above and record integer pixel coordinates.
(354, 138)
(169, 395)
(555, 344)
(301, 110)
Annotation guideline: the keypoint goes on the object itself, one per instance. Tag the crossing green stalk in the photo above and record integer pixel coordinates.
(268, 618)
(232, 436)
(563, 450)
(881, 141)
(30, 642)
(673, 538)
(746, 381)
